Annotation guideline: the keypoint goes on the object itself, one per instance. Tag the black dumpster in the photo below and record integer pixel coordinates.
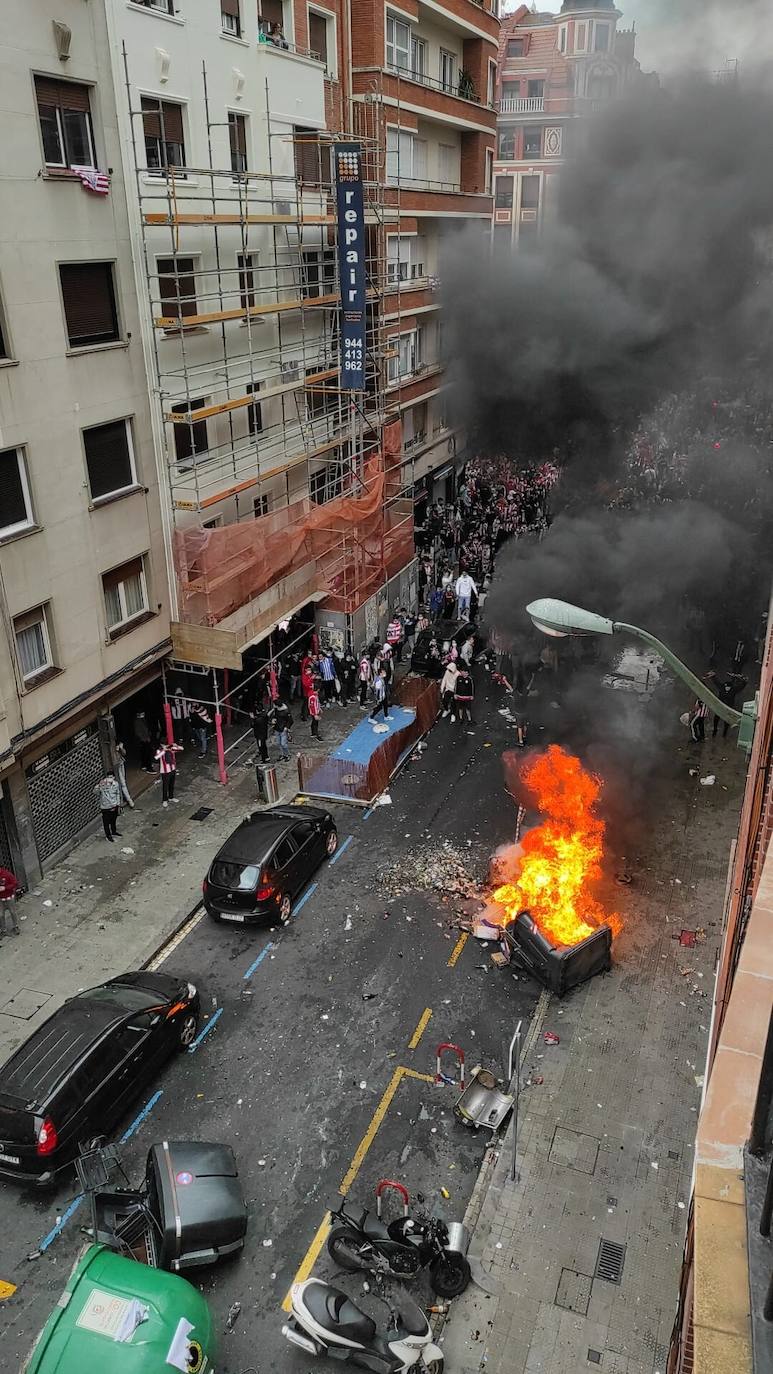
(559, 967)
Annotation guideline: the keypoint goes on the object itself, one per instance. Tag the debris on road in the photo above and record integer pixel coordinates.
(233, 1314)
(444, 868)
(550, 1038)
(709, 780)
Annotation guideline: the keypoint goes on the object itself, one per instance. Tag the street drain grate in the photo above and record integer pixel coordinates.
(673, 1154)
(610, 1261)
(594, 1357)
(202, 813)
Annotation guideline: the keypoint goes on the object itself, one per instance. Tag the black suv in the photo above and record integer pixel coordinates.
(79, 1072)
(267, 862)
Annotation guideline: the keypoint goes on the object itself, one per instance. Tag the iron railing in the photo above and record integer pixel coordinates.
(527, 104)
(461, 88)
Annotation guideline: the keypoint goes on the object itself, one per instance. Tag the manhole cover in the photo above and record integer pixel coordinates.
(25, 1003)
(573, 1292)
(574, 1150)
(202, 813)
(610, 1261)
(594, 1357)
(673, 1154)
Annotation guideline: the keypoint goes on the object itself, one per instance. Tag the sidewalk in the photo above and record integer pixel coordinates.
(108, 907)
(605, 1142)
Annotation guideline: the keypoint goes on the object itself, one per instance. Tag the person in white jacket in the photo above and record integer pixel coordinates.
(465, 589)
(448, 686)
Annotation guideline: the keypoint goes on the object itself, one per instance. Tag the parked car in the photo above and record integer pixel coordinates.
(77, 1074)
(422, 660)
(267, 862)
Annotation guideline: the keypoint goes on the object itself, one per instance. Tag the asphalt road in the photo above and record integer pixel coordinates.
(306, 1045)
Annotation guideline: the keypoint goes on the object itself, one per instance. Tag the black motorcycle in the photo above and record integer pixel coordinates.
(401, 1248)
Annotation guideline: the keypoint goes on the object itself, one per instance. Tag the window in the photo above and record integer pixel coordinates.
(318, 37)
(271, 12)
(312, 157)
(491, 84)
(5, 351)
(447, 70)
(511, 90)
(405, 258)
(506, 145)
(246, 264)
(33, 645)
(398, 43)
(489, 174)
(213, 524)
(320, 399)
(448, 163)
(229, 17)
(261, 505)
(601, 38)
(418, 58)
(166, 6)
(177, 288)
(530, 193)
(88, 296)
(532, 142)
(562, 39)
(515, 47)
(325, 484)
(318, 273)
(15, 504)
(237, 138)
(408, 355)
(65, 123)
(162, 123)
(109, 458)
(126, 595)
(535, 90)
(284, 852)
(580, 37)
(406, 157)
(504, 193)
(190, 439)
(254, 410)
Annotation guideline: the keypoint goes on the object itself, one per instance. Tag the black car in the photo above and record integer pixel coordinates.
(429, 665)
(78, 1073)
(267, 862)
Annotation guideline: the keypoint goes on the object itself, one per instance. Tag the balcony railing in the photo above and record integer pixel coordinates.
(421, 184)
(531, 104)
(462, 88)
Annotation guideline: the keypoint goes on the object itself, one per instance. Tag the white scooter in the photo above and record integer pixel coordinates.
(325, 1321)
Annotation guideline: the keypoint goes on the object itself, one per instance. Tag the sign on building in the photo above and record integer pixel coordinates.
(351, 263)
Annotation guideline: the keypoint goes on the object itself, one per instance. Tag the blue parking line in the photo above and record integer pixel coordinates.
(70, 1211)
(304, 899)
(257, 962)
(212, 1022)
(341, 849)
(368, 813)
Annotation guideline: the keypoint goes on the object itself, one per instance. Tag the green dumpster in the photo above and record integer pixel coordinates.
(118, 1315)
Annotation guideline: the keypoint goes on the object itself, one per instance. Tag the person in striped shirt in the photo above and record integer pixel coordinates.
(698, 721)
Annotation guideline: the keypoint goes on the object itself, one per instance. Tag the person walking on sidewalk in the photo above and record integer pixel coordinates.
(200, 723)
(108, 790)
(315, 710)
(307, 686)
(726, 691)
(698, 721)
(328, 671)
(464, 692)
(348, 678)
(180, 709)
(394, 637)
(261, 721)
(282, 722)
(9, 887)
(167, 764)
(381, 693)
(120, 750)
(465, 590)
(448, 687)
(365, 672)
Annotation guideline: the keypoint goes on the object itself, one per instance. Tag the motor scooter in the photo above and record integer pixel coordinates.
(324, 1321)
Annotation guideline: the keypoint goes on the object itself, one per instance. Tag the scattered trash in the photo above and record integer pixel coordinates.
(348, 923)
(384, 800)
(654, 1164)
(551, 1038)
(48, 902)
(369, 996)
(363, 1084)
(233, 1312)
(261, 1163)
(708, 781)
(445, 1193)
(699, 1080)
(267, 1243)
(624, 878)
(127, 850)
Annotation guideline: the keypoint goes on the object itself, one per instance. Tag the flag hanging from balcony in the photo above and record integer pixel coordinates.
(351, 263)
(92, 180)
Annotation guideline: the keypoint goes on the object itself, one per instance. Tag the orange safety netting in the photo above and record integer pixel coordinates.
(349, 546)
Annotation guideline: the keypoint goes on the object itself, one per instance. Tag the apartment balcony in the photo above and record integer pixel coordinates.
(461, 102)
(414, 386)
(478, 14)
(405, 297)
(295, 80)
(423, 199)
(533, 104)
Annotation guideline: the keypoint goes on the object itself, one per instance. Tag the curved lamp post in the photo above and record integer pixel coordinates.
(559, 618)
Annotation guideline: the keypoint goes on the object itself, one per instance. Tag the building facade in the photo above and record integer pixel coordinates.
(553, 70)
(84, 587)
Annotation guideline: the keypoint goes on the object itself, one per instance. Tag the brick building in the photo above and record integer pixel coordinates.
(553, 69)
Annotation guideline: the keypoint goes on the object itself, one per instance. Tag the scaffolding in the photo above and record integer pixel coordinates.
(283, 488)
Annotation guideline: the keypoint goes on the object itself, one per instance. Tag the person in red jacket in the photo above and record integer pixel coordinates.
(315, 710)
(9, 884)
(307, 685)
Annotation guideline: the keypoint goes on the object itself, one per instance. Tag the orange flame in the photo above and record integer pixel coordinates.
(550, 872)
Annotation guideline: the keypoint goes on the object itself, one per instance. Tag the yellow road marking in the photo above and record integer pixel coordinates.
(176, 940)
(424, 1021)
(7, 1290)
(457, 949)
(310, 1258)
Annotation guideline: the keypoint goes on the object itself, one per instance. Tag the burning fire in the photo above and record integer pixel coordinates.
(550, 872)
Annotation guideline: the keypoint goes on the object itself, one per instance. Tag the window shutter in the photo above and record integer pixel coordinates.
(152, 111)
(89, 302)
(173, 277)
(107, 458)
(308, 156)
(173, 122)
(238, 132)
(65, 95)
(230, 7)
(151, 119)
(126, 570)
(272, 12)
(13, 507)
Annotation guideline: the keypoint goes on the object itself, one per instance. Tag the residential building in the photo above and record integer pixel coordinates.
(83, 579)
(553, 71)
(725, 1318)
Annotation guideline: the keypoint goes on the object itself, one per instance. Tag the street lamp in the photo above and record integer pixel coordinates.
(559, 618)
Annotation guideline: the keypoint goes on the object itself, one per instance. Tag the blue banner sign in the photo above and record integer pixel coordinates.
(351, 263)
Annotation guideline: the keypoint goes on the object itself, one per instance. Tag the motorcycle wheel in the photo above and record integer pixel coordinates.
(450, 1276)
(344, 1247)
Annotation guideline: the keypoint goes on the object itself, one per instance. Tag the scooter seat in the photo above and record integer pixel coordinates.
(375, 1228)
(334, 1312)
